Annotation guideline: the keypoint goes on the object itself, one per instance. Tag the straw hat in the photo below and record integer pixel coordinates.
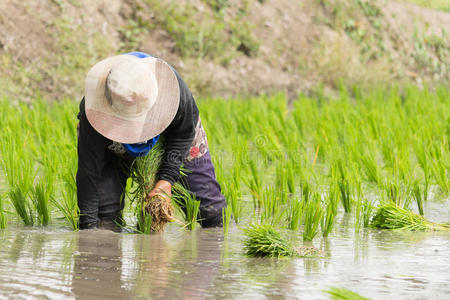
(130, 99)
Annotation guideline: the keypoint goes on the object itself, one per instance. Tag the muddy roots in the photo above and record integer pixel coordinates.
(161, 212)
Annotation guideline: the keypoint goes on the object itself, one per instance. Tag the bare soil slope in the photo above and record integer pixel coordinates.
(224, 48)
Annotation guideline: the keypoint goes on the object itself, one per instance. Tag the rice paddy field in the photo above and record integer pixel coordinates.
(328, 198)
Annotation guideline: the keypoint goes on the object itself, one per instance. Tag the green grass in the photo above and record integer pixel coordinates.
(293, 164)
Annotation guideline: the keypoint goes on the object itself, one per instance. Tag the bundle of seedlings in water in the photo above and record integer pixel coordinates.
(392, 216)
(262, 240)
(154, 213)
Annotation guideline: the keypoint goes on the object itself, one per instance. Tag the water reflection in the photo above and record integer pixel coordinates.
(98, 266)
(57, 264)
(181, 268)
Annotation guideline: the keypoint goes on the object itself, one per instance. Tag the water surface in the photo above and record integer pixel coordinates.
(97, 264)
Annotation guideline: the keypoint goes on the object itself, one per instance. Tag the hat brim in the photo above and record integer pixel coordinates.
(147, 125)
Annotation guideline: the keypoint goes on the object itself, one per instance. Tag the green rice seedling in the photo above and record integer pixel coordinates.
(263, 240)
(294, 213)
(144, 223)
(367, 212)
(68, 206)
(422, 154)
(392, 189)
(331, 209)
(312, 217)
(232, 196)
(41, 195)
(439, 170)
(306, 190)
(417, 194)
(3, 220)
(344, 294)
(226, 217)
(370, 165)
(185, 199)
(363, 213)
(254, 183)
(21, 205)
(392, 216)
(271, 210)
(344, 187)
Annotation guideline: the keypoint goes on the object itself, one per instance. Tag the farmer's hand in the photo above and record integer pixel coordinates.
(162, 188)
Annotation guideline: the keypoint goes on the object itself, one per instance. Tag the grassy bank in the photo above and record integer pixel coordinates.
(294, 165)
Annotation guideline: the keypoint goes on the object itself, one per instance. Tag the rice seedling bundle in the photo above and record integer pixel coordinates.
(155, 212)
(392, 216)
(263, 240)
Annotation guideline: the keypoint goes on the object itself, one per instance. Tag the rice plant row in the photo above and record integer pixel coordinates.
(294, 164)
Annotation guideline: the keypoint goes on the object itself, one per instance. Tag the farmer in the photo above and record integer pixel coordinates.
(131, 101)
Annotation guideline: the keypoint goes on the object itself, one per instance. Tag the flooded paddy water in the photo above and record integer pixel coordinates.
(58, 263)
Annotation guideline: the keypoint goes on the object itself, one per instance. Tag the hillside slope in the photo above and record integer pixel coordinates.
(224, 47)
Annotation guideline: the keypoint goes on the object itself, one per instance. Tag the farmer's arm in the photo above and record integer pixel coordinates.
(178, 139)
(91, 151)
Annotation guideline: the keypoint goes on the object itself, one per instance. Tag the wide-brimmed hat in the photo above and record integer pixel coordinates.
(130, 99)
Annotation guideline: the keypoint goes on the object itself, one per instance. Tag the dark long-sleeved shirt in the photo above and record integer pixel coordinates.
(92, 146)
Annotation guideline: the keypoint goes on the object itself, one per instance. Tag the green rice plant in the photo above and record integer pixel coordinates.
(344, 294)
(185, 199)
(312, 217)
(345, 189)
(68, 205)
(22, 205)
(144, 223)
(3, 220)
(370, 165)
(254, 183)
(363, 213)
(439, 170)
(331, 208)
(392, 216)
(285, 178)
(263, 240)
(232, 196)
(271, 210)
(41, 194)
(294, 213)
(226, 217)
(422, 154)
(417, 194)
